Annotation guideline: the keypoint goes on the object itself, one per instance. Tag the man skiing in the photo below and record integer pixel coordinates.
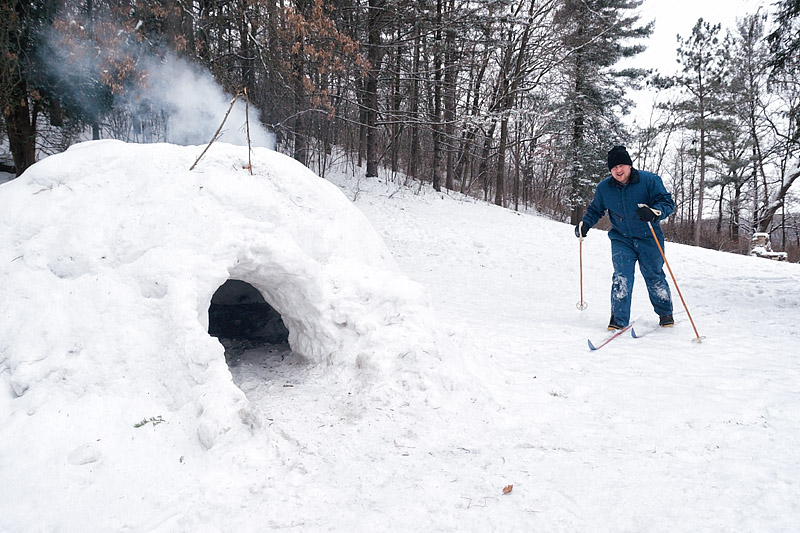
(632, 198)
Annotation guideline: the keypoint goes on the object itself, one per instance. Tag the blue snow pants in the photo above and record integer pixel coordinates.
(625, 252)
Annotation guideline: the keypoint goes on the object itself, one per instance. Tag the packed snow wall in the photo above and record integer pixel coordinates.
(110, 254)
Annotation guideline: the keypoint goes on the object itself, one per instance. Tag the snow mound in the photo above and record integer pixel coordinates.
(111, 253)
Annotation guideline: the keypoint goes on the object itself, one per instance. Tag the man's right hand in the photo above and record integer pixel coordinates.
(581, 230)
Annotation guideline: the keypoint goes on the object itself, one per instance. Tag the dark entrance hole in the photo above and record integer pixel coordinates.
(241, 318)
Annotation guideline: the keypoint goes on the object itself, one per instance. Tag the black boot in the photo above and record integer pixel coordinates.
(666, 321)
(612, 324)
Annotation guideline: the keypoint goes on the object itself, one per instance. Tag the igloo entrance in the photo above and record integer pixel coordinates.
(241, 319)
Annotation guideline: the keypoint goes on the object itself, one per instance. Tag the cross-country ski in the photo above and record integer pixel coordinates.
(610, 338)
(643, 330)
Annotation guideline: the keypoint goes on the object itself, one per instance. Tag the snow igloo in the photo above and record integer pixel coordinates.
(111, 255)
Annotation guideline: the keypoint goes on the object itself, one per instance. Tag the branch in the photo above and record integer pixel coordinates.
(247, 124)
(216, 134)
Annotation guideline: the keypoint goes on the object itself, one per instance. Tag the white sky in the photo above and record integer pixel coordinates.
(678, 17)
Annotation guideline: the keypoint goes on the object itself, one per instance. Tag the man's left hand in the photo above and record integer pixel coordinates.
(647, 214)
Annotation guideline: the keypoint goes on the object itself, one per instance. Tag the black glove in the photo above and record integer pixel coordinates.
(580, 227)
(647, 214)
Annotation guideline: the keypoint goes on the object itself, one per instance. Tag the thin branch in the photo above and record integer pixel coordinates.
(247, 124)
(216, 134)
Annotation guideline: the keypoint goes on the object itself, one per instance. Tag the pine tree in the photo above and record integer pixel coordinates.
(597, 35)
(23, 93)
(703, 60)
(785, 38)
(785, 61)
(748, 72)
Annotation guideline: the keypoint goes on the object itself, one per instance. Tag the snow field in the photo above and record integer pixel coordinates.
(446, 387)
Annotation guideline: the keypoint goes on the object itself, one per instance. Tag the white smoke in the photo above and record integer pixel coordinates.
(179, 103)
(195, 106)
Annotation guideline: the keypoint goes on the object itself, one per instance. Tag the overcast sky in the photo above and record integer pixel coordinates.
(673, 17)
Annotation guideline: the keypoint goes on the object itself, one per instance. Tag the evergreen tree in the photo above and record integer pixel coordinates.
(597, 34)
(748, 73)
(785, 51)
(703, 60)
(785, 38)
(24, 95)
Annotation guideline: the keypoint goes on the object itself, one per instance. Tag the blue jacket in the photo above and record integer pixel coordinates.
(622, 201)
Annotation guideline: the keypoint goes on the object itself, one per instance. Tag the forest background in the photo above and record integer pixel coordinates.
(515, 102)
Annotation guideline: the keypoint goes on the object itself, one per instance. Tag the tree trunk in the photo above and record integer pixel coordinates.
(576, 142)
(701, 186)
(247, 54)
(395, 105)
(300, 133)
(574, 166)
(737, 211)
(436, 117)
(517, 165)
(371, 97)
(500, 190)
(413, 105)
(483, 170)
(21, 127)
(513, 66)
(450, 74)
(201, 38)
(469, 135)
(362, 122)
(90, 32)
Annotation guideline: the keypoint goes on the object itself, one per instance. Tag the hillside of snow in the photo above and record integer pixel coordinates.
(460, 362)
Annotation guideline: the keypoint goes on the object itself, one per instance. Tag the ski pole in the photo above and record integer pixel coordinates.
(581, 305)
(697, 338)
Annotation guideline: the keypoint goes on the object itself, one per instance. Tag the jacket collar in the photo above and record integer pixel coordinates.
(634, 178)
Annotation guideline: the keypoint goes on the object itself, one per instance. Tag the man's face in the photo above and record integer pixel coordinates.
(621, 173)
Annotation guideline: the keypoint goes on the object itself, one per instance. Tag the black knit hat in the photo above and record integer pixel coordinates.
(618, 156)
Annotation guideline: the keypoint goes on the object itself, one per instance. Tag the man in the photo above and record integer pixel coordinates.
(632, 198)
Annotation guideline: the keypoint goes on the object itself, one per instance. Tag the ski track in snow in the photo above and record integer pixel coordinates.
(652, 434)
(647, 434)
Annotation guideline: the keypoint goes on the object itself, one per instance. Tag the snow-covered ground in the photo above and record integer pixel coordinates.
(658, 433)
(651, 434)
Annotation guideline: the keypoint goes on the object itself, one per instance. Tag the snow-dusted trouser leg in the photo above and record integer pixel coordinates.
(651, 265)
(623, 257)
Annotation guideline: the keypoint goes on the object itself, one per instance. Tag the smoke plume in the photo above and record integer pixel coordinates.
(174, 101)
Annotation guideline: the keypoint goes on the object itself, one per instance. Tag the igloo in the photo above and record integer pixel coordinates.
(111, 253)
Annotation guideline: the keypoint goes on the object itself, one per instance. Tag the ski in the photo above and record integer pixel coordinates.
(610, 337)
(646, 331)
(642, 332)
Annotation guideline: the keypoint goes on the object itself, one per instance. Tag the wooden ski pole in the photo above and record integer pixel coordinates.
(697, 338)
